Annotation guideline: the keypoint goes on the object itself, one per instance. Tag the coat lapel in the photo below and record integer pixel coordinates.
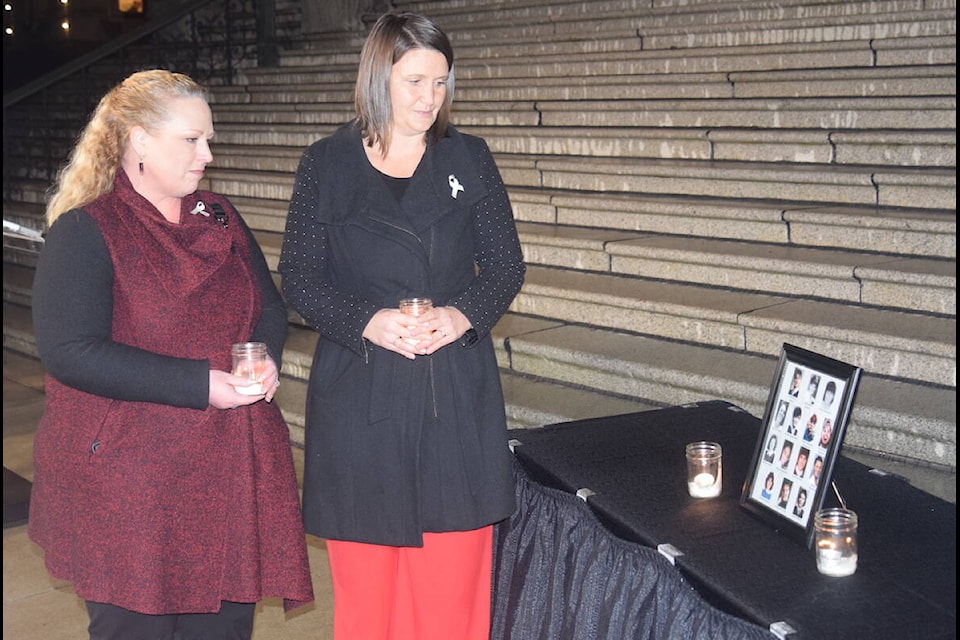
(447, 175)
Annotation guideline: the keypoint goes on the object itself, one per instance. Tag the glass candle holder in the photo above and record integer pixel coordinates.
(704, 469)
(415, 306)
(249, 359)
(835, 532)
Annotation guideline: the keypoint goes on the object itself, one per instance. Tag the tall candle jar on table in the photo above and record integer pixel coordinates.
(835, 533)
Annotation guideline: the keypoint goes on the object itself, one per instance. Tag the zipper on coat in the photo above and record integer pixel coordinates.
(398, 228)
(433, 385)
(433, 391)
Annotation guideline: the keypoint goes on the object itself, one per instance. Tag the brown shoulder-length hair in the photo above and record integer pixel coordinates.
(393, 35)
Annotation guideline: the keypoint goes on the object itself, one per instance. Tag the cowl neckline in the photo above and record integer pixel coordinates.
(182, 256)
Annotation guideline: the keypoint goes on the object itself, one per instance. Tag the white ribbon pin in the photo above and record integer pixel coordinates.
(201, 209)
(455, 186)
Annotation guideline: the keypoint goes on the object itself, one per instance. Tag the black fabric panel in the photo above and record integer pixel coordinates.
(560, 575)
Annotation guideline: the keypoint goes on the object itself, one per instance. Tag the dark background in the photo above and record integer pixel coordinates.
(39, 44)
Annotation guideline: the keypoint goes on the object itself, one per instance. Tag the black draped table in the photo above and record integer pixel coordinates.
(735, 576)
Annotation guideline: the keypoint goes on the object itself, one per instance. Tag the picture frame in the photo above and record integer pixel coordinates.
(803, 426)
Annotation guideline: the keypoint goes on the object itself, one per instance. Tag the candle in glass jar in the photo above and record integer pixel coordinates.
(836, 542)
(704, 471)
(414, 307)
(249, 359)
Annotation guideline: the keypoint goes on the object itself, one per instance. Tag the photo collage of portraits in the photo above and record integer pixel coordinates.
(797, 441)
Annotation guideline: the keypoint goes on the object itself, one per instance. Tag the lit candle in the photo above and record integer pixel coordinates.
(249, 360)
(704, 485)
(703, 469)
(834, 562)
(836, 536)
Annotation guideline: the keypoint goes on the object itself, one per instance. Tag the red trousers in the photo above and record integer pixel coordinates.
(441, 591)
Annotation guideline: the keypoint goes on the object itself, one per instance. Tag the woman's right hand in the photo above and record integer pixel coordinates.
(398, 332)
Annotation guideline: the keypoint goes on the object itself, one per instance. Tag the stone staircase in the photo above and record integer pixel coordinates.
(695, 184)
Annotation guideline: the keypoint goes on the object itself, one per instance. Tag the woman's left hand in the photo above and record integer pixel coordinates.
(223, 387)
(447, 325)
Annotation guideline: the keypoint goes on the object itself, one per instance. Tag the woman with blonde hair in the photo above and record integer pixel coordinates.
(162, 492)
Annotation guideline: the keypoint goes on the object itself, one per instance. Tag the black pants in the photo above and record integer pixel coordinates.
(233, 622)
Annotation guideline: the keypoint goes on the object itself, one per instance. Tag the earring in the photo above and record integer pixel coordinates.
(141, 166)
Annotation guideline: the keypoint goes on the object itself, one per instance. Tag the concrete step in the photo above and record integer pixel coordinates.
(18, 327)
(800, 146)
(886, 150)
(870, 279)
(584, 57)
(901, 231)
(281, 113)
(610, 51)
(811, 184)
(664, 13)
(897, 344)
(908, 114)
(915, 113)
(915, 284)
(697, 25)
(537, 59)
(17, 284)
(792, 184)
(878, 82)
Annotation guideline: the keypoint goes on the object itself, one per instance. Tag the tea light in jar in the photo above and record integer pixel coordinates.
(704, 470)
(249, 359)
(836, 542)
(704, 485)
(414, 307)
(833, 562)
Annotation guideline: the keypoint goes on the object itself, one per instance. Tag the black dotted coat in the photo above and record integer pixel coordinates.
(396, 447)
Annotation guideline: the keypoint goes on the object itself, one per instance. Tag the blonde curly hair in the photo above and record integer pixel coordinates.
(139, 100)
